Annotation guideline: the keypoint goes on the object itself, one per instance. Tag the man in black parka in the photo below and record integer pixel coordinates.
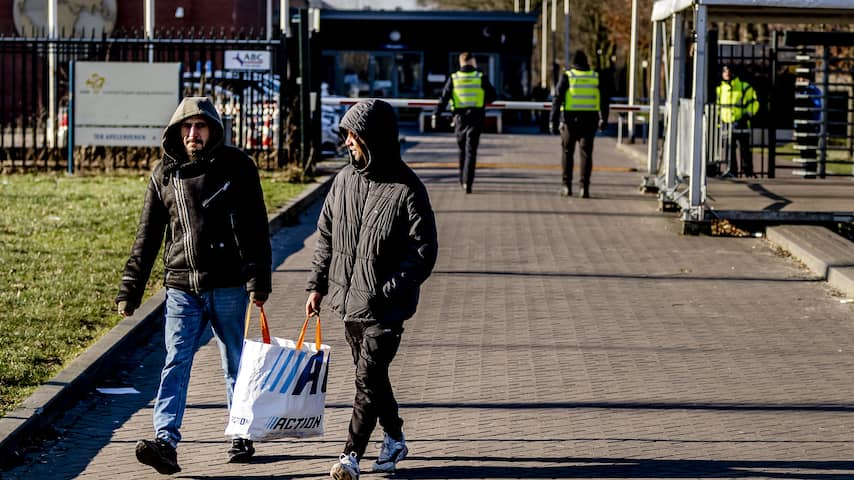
(206, 198)
(377, 245)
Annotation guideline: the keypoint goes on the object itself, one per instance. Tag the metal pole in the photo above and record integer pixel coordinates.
(269, 25)
(772, 127)
(149, 27)
(698, 180)
(565, 33)
(553, 77)
(654, 113)
(53, 30)
(70, 142)
(284, 17)
(544, 47)
(314, 18)
(304, 89)
(822, 132)
(554, 18)
(674, 93)
(633, 47)
(315, 95)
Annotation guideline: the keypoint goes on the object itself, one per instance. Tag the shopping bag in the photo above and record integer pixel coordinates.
(280, 391)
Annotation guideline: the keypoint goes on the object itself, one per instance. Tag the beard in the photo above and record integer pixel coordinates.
(196, 155)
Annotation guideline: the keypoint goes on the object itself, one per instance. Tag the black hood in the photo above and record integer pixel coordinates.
(375, 122)
(173, 147)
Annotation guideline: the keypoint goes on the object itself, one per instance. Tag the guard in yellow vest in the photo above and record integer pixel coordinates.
(578, 108)
(469, 91)
(737, 104)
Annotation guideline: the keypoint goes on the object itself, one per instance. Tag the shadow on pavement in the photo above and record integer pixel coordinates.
(636, 468)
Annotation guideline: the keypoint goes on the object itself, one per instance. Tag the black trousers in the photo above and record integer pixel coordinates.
(374, 347)
(734, 141)
(581, 131)
(468, 128)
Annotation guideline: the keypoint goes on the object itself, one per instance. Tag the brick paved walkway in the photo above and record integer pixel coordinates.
(557, 338)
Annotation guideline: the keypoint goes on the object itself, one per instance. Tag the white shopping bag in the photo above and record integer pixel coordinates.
(280, 389)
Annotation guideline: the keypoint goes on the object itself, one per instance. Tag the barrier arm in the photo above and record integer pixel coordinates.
(619, 108)
(427, 103)
(496, 105)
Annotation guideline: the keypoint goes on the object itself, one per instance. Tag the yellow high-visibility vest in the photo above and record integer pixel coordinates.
(735, 100)
(468, 90)
(583, 92)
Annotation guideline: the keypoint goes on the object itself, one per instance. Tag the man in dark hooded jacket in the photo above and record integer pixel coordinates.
(377, 244)
(206, 198)
(578, 108)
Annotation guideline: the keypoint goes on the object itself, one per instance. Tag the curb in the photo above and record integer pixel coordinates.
(828, 255)
(50, 400)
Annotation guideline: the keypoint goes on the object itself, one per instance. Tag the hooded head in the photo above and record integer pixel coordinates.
(173, 139)
(375, 124)
(579, 60)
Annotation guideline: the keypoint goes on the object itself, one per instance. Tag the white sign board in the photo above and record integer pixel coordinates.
(124, 104)
(247, 60)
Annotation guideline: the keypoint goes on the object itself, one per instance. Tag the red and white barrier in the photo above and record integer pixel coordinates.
(496, 105)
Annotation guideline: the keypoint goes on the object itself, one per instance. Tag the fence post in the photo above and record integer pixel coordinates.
(70, 114)
(304, 89)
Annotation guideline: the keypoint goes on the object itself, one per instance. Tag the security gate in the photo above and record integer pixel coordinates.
(805, 124)
(823, 109)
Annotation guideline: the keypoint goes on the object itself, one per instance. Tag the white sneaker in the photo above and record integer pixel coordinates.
(391, 452)
(346, 468)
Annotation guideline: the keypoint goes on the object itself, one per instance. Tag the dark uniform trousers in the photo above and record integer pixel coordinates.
(735, 139)
(578, 127)
(467, 127)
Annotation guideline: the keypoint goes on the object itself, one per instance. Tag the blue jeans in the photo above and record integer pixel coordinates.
(187, 316)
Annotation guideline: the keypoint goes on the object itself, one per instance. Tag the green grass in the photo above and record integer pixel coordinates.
(63, 244)
(832, 156)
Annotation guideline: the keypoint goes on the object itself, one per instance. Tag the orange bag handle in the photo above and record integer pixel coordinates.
(317, 336)
(265, 327)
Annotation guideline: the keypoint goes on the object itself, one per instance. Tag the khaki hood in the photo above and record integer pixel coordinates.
(173, 146)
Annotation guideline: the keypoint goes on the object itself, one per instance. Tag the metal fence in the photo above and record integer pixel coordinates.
(249, 101)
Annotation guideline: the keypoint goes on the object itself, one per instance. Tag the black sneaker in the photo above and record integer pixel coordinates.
(158, 454)
(241, 451)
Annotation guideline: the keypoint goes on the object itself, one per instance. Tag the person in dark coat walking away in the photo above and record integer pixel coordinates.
(377, 244)
(469, 91)
(206, 198)
(578, 108)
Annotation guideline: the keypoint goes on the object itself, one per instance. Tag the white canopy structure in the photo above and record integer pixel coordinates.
(683, 138)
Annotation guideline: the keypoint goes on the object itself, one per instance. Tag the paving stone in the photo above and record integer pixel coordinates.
(557, 338)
